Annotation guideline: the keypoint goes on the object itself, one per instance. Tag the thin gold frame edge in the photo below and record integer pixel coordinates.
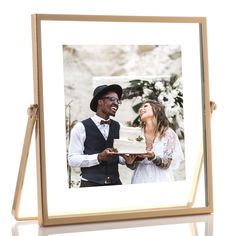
(121, 18)
(122, 216)
(39, 129)
(44, 218)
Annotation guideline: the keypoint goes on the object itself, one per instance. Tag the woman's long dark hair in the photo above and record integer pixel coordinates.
(160, 119)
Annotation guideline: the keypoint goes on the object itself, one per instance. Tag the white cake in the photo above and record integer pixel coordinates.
(131, 141)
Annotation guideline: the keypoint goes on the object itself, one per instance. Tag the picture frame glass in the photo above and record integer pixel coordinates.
(77, 56)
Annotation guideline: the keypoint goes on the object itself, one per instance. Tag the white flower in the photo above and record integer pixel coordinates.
(161, 96)
(170, 101)
(170, 112)
(174, 93)
(159, 86)
(147, 91)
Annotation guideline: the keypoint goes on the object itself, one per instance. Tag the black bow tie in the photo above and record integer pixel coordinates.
(108, 122)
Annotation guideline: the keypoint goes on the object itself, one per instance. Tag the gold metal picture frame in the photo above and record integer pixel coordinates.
(50, 34)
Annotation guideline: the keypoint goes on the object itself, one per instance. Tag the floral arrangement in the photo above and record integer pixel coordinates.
(166, 89)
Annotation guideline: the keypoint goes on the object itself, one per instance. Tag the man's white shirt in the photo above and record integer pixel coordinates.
(76, 156)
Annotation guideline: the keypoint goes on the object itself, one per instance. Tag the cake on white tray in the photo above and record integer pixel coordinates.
(131, 141)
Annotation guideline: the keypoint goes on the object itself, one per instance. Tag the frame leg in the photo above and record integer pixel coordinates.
(32, 116)
(197, 173)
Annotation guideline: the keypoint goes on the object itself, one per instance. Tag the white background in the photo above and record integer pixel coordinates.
(16, 90)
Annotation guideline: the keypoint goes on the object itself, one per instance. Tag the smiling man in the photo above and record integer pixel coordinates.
(91, 142)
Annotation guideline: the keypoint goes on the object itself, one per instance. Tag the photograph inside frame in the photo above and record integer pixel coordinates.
(149, 75)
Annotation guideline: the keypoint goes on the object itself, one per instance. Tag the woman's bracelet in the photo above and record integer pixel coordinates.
(153, 157)
(157, 160)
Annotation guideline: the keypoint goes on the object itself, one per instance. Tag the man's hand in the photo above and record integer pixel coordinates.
(106, 154)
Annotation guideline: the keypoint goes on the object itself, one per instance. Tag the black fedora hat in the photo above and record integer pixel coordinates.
(101, 90)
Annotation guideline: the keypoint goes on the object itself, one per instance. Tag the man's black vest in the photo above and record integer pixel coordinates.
(96, 143)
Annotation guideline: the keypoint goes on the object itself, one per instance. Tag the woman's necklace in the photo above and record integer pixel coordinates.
(149, 142)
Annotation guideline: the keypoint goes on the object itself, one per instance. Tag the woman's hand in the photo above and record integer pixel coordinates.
(150, 155)
(129, 158)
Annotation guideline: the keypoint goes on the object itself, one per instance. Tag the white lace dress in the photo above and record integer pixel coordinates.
(168, 146)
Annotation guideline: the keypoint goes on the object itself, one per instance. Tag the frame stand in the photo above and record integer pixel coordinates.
(32, 118)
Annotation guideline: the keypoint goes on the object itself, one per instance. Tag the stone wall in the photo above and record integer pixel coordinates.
(83, 63)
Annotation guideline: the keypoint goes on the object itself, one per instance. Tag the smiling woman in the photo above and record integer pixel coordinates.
(161, 142)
